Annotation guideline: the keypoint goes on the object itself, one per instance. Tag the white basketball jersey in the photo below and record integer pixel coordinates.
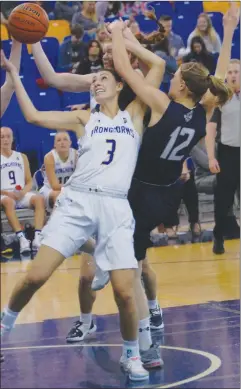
(12, 171)
(107, 153)
(63, 170)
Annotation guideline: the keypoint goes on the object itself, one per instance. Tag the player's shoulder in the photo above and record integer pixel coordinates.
(49, 157)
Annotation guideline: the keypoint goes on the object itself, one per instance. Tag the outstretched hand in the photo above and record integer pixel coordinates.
(117, 24)
(6, 64)
(232, 16)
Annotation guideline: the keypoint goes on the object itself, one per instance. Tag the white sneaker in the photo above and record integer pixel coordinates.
(24, 245)
(133, 367)
(36, 243)
(101, 279)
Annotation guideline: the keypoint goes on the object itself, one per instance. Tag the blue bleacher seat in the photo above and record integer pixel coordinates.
(69, 98)
(146, 25)
(183, 26)
(217, 21)
(192, 8)
(235, 53)
(161, 8)
(51, 48)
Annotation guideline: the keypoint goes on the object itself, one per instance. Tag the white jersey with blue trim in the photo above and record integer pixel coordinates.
(107, 153)
(63, 169)
(12, 171)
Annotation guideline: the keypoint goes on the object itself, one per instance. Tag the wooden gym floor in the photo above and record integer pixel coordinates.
(200, 343)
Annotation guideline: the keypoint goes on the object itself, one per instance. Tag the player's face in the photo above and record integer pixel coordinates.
(62, 142)
(107, 57)
(233, 76)
(104, 87)
(6, 139)
(176, 85)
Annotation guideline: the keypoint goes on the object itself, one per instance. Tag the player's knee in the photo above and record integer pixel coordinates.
(145, 267)
(8, 203)
(38, 201)
(124, 291)
(36, 278)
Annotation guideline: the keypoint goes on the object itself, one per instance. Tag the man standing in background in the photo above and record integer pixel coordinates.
(225, 123)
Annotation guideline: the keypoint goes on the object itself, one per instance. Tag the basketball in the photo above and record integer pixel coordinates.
(28, 23)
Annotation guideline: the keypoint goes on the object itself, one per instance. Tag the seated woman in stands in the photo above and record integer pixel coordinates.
(16, 185)
(58, 166)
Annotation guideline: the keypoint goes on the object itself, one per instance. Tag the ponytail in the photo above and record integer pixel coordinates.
(155, 36)
(220, 89)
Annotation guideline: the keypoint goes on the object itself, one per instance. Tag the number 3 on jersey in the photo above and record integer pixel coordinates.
(170, 152)
(110, 152)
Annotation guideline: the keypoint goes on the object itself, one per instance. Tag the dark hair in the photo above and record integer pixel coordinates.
(198, 81)
(198, 39)
(77, 30)
(162, 46)
(155, 36)
(116, 76)
(99, 46)
(165, 18)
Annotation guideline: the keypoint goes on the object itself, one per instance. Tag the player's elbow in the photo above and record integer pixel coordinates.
(33, 118)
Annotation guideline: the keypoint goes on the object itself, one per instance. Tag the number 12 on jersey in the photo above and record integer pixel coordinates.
(170, 152)
(110, 152)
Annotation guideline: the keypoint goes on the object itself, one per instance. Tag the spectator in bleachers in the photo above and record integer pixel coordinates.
(16, 185)
(92, 63)
(132, 8)
(101, 9)
(101, 35)
(72, 50)
(113, 9)
(208, 33)
(86, 17)
(59, 164)
(63, 11)
(199, 53)
(162, 49)
(175, 41)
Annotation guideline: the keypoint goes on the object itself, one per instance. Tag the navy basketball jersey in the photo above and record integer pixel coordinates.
(168, 143)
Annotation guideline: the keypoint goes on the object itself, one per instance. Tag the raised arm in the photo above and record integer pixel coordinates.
(7, 88)
(230, 22)
(149, 95)
(57, 120)
(63, 81)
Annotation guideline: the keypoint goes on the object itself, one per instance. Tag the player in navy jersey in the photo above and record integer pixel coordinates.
(177, 124)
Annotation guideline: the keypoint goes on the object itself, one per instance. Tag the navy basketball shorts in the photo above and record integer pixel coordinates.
(151, 206)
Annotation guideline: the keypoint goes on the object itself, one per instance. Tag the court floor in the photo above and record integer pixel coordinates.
(200, 343)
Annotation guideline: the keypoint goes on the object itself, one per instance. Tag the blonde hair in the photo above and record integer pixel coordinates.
(198, 81)
(211, 32)
(234, 60)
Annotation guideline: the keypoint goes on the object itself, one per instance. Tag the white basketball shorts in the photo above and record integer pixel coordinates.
(80, 215)
(45, 192)
(24, 202)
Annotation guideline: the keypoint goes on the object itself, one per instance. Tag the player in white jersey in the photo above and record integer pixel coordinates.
(94, 201)
(16, 185)
(58, 166)
(148, 318)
